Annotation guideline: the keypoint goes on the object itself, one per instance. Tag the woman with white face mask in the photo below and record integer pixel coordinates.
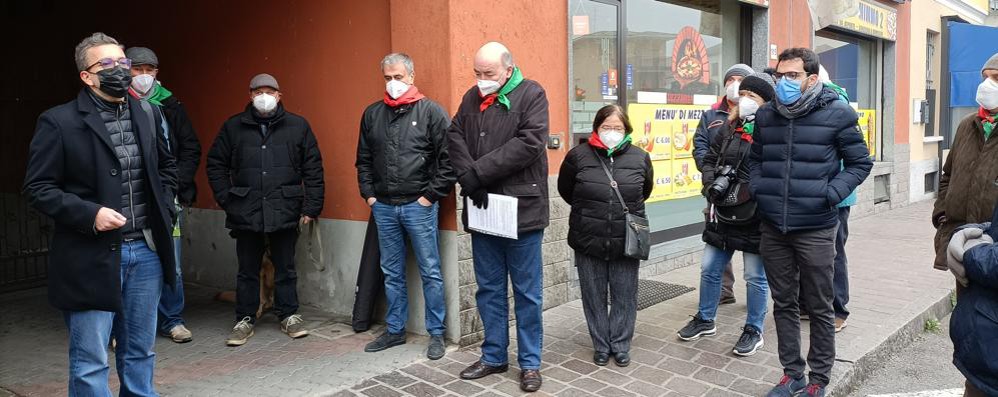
(967, 186)
(731, 222)
(596, 228)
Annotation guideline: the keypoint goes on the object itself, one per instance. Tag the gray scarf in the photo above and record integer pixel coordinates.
(803, 105)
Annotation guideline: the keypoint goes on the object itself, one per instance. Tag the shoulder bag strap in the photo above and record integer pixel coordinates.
(613, 183)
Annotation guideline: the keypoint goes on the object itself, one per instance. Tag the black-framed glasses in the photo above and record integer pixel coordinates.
(790, 75)
(107, 63)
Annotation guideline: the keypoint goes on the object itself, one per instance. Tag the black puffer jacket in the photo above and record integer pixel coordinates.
(118, 122)
(402, 153)
(266, 182)
(796, 178)
(728, 148)
(596, 226)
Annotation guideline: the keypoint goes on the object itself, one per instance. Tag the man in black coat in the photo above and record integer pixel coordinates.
(404, 171)
(100, 168)
(800, 141)
(265, 170)
(497, 145)
(186, 149)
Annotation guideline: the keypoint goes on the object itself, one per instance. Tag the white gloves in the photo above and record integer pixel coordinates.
(962, 241)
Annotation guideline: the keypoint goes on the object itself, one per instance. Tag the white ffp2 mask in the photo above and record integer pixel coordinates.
(987, 94)
(396, 88)
(265, 103)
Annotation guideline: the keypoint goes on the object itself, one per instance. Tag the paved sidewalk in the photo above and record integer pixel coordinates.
(893, 287)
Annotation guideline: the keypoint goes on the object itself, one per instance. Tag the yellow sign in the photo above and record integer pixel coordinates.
(868, 126)
(666, 133)
(872, 19)
(979, 5)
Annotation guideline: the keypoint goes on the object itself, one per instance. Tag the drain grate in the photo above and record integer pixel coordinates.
(651, 292)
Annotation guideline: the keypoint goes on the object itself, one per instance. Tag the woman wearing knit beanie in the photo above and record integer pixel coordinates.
(731, 221)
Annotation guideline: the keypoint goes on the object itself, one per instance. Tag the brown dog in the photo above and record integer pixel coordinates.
(266, 286)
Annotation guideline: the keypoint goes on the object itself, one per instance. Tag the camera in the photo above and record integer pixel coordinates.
(723, 179)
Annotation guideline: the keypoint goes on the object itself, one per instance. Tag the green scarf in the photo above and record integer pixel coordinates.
(626, 140)
(843, 95)
(514, 81)
(159, 94)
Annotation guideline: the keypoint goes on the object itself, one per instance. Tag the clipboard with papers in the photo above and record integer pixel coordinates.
(499, 219)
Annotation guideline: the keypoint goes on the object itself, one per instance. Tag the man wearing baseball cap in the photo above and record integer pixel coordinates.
(265, 171)
(186, 149)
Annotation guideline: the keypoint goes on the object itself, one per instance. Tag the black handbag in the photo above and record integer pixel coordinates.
(637, 234)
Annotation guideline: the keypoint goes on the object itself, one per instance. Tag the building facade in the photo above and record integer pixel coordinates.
(662, 60)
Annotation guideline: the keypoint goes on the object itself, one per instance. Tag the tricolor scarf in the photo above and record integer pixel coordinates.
(157, 95)
(595, 142)
(745, 131)
(988, 121)
(410, 96)
(511, 84)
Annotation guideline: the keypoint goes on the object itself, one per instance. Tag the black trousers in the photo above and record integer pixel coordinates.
(611, 332)
(250, 247)
(802, 264)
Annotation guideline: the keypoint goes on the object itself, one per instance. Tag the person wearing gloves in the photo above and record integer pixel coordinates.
(404, 171)
(597, 224)
(972, 256)
(732, 224)
(967, 186)
(713, 120)
(186, 149)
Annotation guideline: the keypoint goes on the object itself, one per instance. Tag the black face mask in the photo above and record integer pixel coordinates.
(114, 81)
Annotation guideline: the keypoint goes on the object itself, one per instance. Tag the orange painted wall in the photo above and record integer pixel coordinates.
(536, 32)
(789, 25)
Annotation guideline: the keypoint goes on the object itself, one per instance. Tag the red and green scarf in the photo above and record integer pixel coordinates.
(511, 84)
(595, 142)
(410, 96)
(745, 131)
(156, 97)
(988, 121)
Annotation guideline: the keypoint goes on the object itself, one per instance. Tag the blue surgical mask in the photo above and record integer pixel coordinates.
(788, 91)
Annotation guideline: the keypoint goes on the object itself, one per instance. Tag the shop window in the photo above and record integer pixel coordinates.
(676, 53)
(853, 64)
(593, 65)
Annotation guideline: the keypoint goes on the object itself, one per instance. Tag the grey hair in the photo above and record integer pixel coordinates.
(95, 40)
(398, 57)
(507, 59)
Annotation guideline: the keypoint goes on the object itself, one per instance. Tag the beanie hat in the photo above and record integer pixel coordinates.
(738, 69)
(992, 63)
(142, 56)
(761, 84)
(263, 80)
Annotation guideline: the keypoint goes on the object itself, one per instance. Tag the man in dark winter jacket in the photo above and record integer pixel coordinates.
(973, 259)
(711, 122)
(186, 150)
(497, 144)
(797, 181)
(404, 171)
(265, 170)
(100, 168)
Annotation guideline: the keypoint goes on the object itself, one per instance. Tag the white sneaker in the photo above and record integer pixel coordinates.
(180, 334)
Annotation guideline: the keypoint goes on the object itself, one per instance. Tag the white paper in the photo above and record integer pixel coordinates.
(499, 219)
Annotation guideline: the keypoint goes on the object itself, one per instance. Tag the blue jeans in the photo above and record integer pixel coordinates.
(134, 330)
(420, 224)
(714, 262)
(498, 260)
(841, 278)
(171, 303)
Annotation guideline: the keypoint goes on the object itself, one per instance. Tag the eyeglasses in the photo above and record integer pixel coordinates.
(107, 63)
(790, 75)
(611, 129)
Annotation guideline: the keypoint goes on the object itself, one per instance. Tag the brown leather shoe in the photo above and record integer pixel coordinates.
(530, 380)
(479, 370)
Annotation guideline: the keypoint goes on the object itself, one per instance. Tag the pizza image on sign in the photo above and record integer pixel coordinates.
(690, 62)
